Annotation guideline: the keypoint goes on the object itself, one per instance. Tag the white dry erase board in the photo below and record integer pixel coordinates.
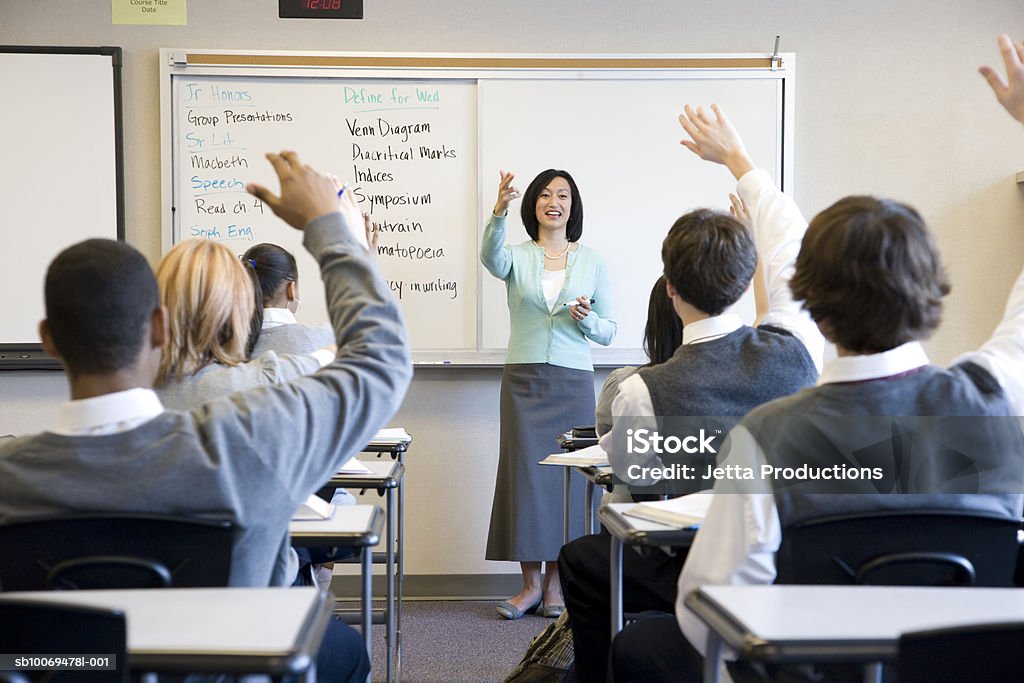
(420, 139)
(61, 180)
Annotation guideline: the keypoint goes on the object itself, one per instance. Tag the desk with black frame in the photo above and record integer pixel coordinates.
(567, 442)
(386, 477)
(850, 624)
(396, 444)
(354, 526)
(626, 530)
(275, 631)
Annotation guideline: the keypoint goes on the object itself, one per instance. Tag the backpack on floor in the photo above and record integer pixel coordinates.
(549, 658)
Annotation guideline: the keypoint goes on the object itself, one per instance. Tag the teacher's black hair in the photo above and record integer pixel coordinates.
(528, 208)
(100, 297)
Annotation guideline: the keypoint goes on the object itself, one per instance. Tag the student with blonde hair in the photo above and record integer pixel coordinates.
(211, 299)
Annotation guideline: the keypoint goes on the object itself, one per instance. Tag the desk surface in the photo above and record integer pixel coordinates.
(352, 525)
(842, 623)
(231, 630)
(636, 531)
(383, 474)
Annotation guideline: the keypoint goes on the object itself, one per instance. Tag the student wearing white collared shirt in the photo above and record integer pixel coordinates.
(870, 275)
(721, 371)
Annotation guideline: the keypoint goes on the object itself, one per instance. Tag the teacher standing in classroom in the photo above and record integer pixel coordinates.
(558, 299)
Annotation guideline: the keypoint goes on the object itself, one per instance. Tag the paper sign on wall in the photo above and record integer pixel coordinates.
(152, 12)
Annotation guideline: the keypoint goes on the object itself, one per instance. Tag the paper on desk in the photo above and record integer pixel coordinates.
(315, 508)
(591, 455)
(354, 466)
(391, 435)
(683, 512)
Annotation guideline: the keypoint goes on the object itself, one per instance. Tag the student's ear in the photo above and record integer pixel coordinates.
(291, 291)
(48, 345)
(159, 328)
(670, 290)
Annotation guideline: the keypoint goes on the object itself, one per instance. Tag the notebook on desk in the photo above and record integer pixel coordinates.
(354, 466)
(391, 435)
(315, 508)
(684, 512)
(591, 455)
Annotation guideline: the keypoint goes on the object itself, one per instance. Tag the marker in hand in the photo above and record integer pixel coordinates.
(576, 303)
(342, 190)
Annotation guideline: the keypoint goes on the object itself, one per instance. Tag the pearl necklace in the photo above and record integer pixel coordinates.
(555, 258)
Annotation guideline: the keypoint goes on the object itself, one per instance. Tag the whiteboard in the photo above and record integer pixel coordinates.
(420, 139)
(61, 180)
(635, 178)
(407, 149)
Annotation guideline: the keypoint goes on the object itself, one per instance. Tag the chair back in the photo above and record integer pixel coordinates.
(900, 548)
(43, 628)
(987, 653)
(114, 550)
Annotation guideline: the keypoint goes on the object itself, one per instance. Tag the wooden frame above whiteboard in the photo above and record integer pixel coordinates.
(626, 144)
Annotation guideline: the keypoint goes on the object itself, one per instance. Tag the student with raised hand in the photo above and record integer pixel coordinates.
(870, 275)
(250, 458)
(559, 297)
(721, 371)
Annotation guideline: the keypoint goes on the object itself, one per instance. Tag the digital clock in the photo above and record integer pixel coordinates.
(320, 9)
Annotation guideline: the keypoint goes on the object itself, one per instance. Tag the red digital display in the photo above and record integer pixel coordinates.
(320, 9)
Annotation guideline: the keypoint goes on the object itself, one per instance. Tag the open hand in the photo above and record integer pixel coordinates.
(506, 193)
(372, 233)
(715, 139)
(739, 210)
(305, 193)
(1010, 92)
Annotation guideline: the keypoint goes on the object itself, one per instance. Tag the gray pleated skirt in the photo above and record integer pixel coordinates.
(538, 402)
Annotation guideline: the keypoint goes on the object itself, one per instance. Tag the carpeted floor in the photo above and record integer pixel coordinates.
(457, 642)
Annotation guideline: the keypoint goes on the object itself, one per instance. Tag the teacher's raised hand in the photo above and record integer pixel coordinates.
(506, 193)
(713, 138)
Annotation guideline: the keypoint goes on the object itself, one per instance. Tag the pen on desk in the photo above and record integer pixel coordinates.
(576, 303)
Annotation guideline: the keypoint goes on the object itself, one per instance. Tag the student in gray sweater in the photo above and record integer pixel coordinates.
(278, 278)
(252, 457)
(870, 275)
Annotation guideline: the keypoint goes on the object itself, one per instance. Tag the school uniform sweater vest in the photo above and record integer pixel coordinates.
(944, 435)
(731, 375)
(705, 388)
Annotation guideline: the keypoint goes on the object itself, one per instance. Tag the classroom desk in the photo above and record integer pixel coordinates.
(595, 475)
(854, 624)
(275, 631)
(627, 530)
(350, 526)
(567, 442)
(395, 442)
(386, 477)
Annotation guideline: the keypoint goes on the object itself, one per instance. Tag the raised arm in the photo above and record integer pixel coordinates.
(1003, 354)
(304, 430)
(776, 222)
(495, 256)
(1009, 92)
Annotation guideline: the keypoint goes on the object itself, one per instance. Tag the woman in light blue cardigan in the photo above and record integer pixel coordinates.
(559, 297)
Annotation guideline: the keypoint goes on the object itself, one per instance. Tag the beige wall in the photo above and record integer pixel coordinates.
(889, 102)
